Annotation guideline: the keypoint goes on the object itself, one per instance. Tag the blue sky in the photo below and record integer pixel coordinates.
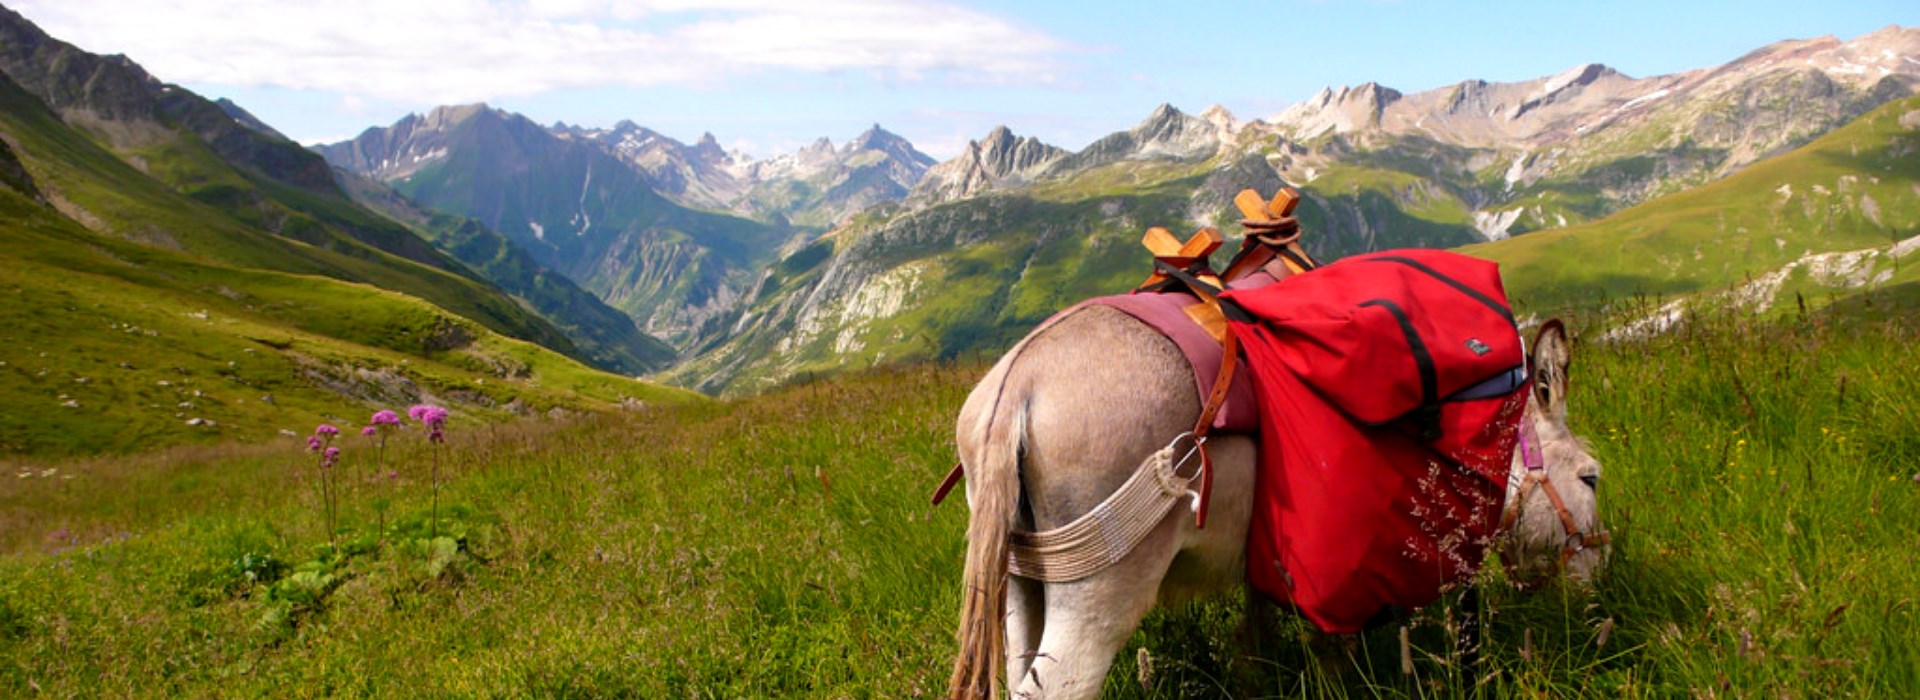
(768, 76)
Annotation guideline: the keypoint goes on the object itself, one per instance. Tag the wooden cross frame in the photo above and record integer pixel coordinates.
(1167, 249)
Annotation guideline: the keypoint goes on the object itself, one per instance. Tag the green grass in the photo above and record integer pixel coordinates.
(1759, 481)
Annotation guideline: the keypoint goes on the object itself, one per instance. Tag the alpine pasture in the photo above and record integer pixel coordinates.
(1762, 479)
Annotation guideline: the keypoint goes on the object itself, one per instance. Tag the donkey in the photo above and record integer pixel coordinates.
(1067, 416)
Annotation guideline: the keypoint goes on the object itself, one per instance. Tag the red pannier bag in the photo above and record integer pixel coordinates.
(1391, 386)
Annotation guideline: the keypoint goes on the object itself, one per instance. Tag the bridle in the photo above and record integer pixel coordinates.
(1578, 539)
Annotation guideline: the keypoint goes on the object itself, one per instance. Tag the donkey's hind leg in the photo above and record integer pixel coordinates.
(1088, 621)
(1026, 617)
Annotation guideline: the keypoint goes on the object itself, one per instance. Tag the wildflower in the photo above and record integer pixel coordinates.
(330, 457)
(326, 430)
(385, 417)
(430, 415)
(313, 443)
(368, 431)
(434, 417)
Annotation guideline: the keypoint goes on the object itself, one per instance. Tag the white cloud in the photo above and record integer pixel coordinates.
(444, 51)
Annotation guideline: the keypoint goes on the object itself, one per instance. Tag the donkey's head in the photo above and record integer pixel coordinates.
(1553, 507)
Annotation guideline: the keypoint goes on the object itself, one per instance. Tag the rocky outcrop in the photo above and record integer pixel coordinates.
(997, 161)
(1166, 134)
(1349, 109)
(396, 152)
(116, 99)
(14, 175)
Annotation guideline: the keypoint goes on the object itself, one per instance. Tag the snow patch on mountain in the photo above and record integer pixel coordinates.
(1494, 225)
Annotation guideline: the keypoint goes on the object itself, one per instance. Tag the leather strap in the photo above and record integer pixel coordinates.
(1252, 256)
(1222, 382)
(953, 477)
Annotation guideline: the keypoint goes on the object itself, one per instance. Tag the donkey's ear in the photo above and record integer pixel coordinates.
(1551, 355)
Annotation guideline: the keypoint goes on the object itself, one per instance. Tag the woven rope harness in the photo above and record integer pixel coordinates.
(1108, 532)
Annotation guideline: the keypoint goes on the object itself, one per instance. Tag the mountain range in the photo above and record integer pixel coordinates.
(993, 241)
(177, 273)
(634, 252)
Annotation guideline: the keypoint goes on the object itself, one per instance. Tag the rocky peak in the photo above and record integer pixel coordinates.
(70, 80)
(448, 117)
(895, 147)
(708, 150)
(246, 119)
(999, 135)
(1575, 77)
(1005, 156)
(998, 160)
(1171, 133)
(1350, 109)
(1561, 87)
(1221, 119)
(874, 137)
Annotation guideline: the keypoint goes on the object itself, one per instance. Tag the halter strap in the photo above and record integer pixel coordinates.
(1530, 447)
(1577, 537)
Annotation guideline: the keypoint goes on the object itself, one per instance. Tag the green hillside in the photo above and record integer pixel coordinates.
(141, 314)
(127, 155)
(110, 346)
(608, 337)
(97, 188)
(1854, 189)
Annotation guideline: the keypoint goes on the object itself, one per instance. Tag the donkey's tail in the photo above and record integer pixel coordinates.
(995, 502)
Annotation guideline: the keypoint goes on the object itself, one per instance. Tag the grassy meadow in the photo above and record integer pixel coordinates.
(1760, 481)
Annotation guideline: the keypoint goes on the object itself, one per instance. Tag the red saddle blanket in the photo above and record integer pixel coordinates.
(1390, 388)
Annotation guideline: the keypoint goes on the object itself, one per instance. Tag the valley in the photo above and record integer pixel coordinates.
(696, 397)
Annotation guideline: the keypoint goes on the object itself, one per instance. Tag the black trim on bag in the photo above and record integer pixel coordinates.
(1307, 264)
(1429, 411)
(1454, 283)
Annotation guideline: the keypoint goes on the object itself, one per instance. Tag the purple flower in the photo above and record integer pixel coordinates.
(368, 431)
(313, 443)
(326, 430)
(436, 436)
(428, 414)
(385, 417)
(393, 475)
(330, 457)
